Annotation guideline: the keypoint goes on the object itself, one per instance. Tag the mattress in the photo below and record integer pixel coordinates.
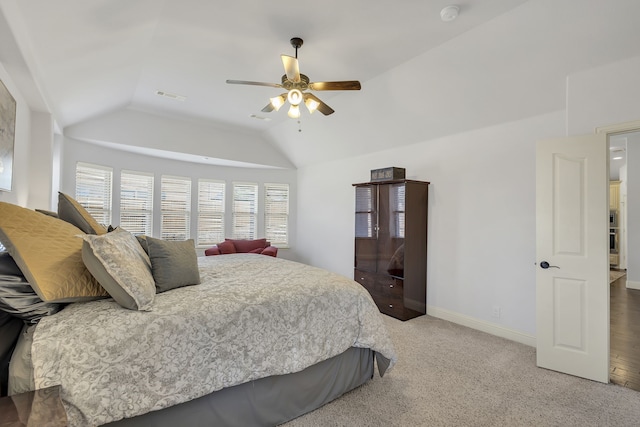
(252, 317)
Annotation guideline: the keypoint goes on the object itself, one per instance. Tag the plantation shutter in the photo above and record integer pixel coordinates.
(210, 212)
(176, 208)
(245, 210)
(136, 202)
(276, 213)
(398, 206)
(364, 211)
(93, 190)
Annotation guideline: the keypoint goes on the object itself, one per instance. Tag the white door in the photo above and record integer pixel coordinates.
(572, 292)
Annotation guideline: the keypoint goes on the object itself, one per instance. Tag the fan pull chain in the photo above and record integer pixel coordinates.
(299, 126)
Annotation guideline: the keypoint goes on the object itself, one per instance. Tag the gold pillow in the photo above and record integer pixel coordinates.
(74, 213)
(49, 254)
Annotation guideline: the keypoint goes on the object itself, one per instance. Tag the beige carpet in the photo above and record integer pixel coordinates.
(449, 375)
(615, 275)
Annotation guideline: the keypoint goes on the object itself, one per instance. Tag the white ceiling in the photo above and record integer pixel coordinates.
(501, 60)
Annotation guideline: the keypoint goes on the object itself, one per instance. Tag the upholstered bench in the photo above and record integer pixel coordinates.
(232, 246)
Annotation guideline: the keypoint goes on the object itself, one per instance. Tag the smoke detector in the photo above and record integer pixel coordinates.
(449, 13)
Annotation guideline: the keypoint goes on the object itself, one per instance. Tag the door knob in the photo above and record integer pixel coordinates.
(545, 265)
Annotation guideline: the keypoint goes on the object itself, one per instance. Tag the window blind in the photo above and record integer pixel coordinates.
(245, 211)
(210, 212)
(364, 211)
(398, 206)
(276, 213)
(93, 190)
(136, 202)
(175, 205)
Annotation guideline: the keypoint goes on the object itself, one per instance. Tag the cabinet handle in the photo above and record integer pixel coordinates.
(391, 285)
(362, 278)
(390, 305)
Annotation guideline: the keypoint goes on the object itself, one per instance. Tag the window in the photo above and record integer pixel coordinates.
(276, 213)
(93, 190)
(398, 209)
(175, 204)
(136, 202)
(245, 211)
(364, 211)
(210, 212)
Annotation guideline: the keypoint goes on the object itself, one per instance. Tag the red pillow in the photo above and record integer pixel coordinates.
(256, 251)
(227, 247)
(244, 246)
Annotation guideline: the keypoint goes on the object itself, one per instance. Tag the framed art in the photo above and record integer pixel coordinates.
(7, 136)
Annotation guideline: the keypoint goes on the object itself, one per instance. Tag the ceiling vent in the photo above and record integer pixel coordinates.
(169, 95)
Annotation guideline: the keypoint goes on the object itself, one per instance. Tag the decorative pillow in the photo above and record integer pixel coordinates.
(256, 251)
(46, 212)
(244, 246)
(48, 254)
(121, 266)
(142, 239)
(227, 247)
(17, 297)
(173, 263)
(74, 213)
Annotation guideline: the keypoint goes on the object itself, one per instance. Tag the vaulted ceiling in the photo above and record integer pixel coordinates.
(500, 60)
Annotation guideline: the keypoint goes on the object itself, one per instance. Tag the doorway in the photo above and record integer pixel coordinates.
(624, 319)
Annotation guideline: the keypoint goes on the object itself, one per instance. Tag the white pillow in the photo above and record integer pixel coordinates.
(122, 267)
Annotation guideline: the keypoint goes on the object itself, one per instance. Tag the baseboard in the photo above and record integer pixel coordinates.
(481, 325)
(633, 285)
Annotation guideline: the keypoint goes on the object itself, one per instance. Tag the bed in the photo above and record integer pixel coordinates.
(258, 341)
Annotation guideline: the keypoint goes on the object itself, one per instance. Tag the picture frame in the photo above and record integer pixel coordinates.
(7, 137)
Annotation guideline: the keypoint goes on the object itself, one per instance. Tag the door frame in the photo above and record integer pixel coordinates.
(610, 130)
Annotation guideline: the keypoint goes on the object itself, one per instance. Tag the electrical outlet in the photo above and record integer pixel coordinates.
(495, 311)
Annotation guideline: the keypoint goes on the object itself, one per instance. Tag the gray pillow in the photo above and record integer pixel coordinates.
(121, 266)
(17, 297)
(173, 263)
(70, 210)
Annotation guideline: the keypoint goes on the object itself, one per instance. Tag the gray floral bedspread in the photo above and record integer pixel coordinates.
(253, 316)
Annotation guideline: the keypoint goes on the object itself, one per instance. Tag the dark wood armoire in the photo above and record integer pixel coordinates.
(391, 245)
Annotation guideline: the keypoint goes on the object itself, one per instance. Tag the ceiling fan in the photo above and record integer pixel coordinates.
(296, 85)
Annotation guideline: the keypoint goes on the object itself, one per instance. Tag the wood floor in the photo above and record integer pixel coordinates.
(625, 335)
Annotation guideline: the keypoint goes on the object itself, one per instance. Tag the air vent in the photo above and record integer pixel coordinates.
(169, 95)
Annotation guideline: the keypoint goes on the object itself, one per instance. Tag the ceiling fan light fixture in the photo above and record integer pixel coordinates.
(295, 97)
(277, 102)
(295, 84)
(311, 104)
(294, 112)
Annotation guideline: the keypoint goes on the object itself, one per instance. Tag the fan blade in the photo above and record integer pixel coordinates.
(291, 68)
(244, 82)
(344, 85)
(268, 108)
(322, 107)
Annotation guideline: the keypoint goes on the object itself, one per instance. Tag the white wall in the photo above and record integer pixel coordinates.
(139, 129)
(22, 147)
(74, 151)
(481, 204)
(41, 160)
(481, 245)
(603, 96)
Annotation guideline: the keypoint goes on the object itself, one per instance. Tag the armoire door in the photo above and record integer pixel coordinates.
(391, 229)
(366, 247)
